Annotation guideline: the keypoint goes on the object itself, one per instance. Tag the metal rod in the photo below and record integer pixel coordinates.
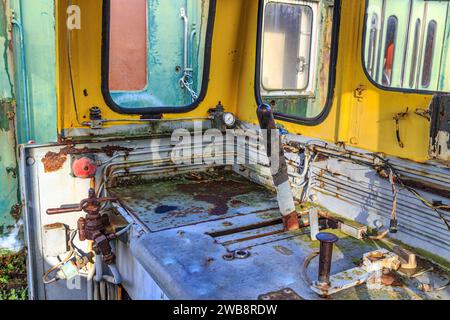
(26, 106)
(327, 241)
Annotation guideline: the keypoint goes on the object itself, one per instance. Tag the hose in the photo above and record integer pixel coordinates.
(305, 266)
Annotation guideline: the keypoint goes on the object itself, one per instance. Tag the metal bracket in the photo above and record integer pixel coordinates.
(370, 271)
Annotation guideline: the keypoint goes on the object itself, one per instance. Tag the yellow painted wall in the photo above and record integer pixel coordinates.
(86, 62)
(365, 123)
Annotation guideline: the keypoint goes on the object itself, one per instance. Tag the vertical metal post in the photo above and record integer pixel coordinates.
(327, 241)
(314, 222)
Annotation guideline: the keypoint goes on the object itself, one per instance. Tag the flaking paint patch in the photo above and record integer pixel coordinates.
(6, 111)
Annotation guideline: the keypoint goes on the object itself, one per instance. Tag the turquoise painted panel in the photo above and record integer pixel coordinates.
(38, 20)
(166, 54)
(38, 23)
(6, 81)
(8, 174)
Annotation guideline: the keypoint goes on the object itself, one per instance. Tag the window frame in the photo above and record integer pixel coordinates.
(363, 64)
(292, 92)
(331, 77)
(152, 110)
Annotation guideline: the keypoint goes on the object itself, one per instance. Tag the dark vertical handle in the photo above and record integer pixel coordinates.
(278, 166)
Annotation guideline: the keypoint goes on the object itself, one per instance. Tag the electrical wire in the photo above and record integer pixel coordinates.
(72, 86)
(58, 266)
(414, 192)
(387, 165)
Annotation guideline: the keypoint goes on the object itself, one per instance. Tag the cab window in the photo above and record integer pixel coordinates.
(413, 52)
(148, 65)
(293, 69)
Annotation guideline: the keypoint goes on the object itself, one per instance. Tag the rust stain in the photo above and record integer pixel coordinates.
(417, 184)
(283, 250)
(427, 187)
(228, 190)
(16, 211)
(55, 161)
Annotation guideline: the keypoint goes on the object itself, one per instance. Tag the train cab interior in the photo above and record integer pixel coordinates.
(231, 149)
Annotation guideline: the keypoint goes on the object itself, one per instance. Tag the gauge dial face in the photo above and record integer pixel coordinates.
(229, 119)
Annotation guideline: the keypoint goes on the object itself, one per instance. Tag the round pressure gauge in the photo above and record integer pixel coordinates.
(229, 119)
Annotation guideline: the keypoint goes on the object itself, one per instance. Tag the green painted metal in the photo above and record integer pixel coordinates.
(38, 22)
(166, 54)
(8, 168)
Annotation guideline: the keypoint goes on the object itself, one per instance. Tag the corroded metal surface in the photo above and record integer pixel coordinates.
(194, 198)
(55, 161)
(9, 203)
(283, 294)
(189, 264)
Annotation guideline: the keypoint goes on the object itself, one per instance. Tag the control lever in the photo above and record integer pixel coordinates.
(278, 167)
(93, 226)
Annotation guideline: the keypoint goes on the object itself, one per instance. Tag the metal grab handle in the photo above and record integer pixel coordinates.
(80, 207)
(185, 18)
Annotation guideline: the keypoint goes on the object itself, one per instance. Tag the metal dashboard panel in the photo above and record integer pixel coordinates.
(198, 218)
(188, 264)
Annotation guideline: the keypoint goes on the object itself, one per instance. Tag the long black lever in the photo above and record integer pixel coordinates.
(278, 167)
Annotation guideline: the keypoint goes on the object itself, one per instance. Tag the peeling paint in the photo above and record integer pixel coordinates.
(55, 161)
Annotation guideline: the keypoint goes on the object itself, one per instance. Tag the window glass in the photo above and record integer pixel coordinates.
(414, 57)
(389, 50)
(428, 57)
(413, 49)
(156, 53)
(373, 38)
(128, 45)
(287, 46)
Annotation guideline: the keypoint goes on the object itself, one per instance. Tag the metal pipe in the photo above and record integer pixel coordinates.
(186, 39)
(26, 106)
(327, 241)
(127, 214)
(116, 274)
(123, 231)
(98, 268)
(88, 123)
(90, 277)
